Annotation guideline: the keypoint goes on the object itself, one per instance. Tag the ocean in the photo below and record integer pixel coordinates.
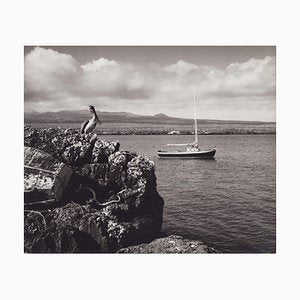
(230, 202)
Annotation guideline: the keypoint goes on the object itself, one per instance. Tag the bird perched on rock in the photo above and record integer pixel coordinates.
(89, 125)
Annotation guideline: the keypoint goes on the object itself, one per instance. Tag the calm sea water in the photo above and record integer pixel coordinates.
(229, 202)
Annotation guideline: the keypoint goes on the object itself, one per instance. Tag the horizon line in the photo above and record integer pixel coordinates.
(186, 118)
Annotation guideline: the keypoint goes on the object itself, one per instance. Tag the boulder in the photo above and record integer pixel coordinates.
(170, 244)
(44, 177)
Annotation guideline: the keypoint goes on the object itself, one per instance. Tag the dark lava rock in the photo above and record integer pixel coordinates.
(101, 229)
(70, 146)
(170, 244)
(34, 225)
(65, 240)
(68, 229)
(44, 177)
(102, 150)
(111, 200)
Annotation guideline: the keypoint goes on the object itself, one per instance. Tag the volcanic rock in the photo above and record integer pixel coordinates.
(44, 177)
(110, 201)
(170, 244)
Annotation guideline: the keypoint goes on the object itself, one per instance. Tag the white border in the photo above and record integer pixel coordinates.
(149, 23)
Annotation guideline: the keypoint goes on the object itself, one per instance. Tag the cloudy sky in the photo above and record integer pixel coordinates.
(231, 83)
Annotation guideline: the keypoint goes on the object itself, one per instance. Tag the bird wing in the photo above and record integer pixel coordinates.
(83, 125)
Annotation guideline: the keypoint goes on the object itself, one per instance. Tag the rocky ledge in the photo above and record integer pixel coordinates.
(170, 244)
(84, 194)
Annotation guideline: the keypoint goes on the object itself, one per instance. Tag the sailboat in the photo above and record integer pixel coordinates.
(192, 149)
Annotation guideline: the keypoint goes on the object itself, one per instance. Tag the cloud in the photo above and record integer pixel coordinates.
(98, 64)
(181, 67)
(116, 80)
(54, 81)
(255, 77)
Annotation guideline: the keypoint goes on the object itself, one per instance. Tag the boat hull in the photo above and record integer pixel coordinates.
(186, 154)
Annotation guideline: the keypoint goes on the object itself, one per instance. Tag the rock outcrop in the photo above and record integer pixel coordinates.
(44, 177)
(109, 202)
(170, 244)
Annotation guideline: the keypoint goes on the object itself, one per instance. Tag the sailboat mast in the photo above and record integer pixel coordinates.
(196, 129)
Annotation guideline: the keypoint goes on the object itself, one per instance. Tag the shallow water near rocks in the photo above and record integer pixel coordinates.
(229, 202)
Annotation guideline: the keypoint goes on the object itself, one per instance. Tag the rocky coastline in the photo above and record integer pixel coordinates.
(172, 244)
(83, 194)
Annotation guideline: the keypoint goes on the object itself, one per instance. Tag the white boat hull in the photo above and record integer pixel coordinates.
(187, 154)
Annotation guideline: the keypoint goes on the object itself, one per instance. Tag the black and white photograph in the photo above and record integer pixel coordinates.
(132, 149)
(149, 150)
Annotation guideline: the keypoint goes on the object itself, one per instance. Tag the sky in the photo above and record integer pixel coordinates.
(230, 83)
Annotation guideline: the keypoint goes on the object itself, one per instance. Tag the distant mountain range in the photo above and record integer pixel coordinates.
(78, 116)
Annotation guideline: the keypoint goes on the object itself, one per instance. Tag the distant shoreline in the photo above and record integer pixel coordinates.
(138, 129)
(246, 133)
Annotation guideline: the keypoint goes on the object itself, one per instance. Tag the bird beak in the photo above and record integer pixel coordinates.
(98, 120)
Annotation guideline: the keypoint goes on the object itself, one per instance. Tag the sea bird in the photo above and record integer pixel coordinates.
(89, 125)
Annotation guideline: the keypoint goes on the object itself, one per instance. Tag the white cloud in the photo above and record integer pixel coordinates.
(181, 67)
(49, 73)
(98, 64)
(254, 77)
(56, 81)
